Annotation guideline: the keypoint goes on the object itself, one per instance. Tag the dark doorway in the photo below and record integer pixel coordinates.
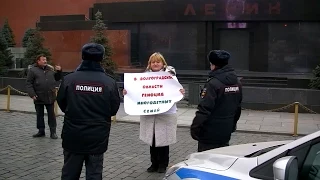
(237, 43)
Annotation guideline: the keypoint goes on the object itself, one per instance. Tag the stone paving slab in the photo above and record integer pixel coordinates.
(25, 158)
(256, 121)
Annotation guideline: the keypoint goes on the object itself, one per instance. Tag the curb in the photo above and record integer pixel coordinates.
(26, 112)
(238, 131)
(180, 126)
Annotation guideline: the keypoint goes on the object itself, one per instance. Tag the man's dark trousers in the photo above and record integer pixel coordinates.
(51, 117)
(73, 166)
(205, 147)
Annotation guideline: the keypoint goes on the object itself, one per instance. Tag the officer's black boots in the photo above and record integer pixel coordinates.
(152, 168)
(162, 169)
(159, 169)
(53, 134)
(41, 133)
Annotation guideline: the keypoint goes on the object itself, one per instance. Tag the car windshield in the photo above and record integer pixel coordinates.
(262, 151)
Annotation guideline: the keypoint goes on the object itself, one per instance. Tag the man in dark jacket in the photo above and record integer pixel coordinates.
(220, 105)
(40, 85)
(88, 97)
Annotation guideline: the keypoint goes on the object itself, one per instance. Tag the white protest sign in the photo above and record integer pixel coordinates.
(150, 93)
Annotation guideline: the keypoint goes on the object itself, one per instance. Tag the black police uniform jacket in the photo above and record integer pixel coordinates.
(88, 97)
(219, 108)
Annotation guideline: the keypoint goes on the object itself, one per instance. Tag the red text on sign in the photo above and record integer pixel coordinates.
(155, 78)
(152, 86)
(152, 94)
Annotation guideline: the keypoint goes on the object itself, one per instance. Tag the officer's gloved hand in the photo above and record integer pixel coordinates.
(195, 132)
(234, 128)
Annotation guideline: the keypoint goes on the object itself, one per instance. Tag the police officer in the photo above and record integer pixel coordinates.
(220, 105)
(88, 97)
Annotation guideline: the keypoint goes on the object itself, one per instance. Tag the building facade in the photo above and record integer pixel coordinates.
(265, 36)
(275, 36)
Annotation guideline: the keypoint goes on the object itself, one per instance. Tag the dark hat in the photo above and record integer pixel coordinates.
(219, 58)
(92, 52)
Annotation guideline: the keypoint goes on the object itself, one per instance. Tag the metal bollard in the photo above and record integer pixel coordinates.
(113, 119)
(296, 111)
(8, 98)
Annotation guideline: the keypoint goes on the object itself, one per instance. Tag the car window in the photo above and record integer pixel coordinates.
(311, 166)
(265, 170)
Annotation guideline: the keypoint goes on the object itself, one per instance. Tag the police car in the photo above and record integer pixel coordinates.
(277, 160)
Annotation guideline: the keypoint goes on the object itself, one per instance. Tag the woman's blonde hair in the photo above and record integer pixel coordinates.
(156, 57)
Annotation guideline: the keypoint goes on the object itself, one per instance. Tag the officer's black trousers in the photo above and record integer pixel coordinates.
(40, 116)
(205, 147)
(73, 165)
(159, 155)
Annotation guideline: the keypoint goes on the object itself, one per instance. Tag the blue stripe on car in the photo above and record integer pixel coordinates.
(184, 173)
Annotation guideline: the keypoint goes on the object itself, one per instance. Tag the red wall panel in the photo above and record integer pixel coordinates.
(65, 46)
(24, 14)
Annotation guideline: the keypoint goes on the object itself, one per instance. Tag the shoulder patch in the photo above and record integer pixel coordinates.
(89, 88)
(203, 93)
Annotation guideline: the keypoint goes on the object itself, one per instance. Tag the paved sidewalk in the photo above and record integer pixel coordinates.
(26, 158)
(256, 121)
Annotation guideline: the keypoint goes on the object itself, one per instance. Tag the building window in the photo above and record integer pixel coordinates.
(293, 47)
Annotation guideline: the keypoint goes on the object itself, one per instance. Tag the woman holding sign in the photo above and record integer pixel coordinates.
(159, 130)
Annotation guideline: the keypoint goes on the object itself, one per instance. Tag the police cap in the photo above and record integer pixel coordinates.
(219, 58)
(92, 52)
